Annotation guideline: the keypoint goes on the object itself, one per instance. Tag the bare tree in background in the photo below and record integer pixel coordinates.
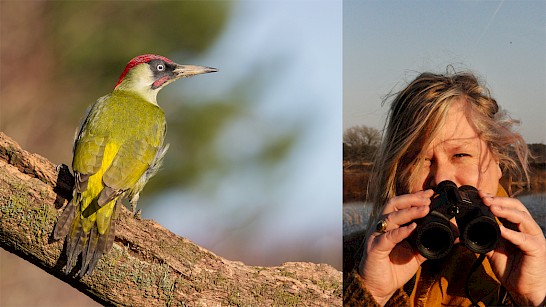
(360, 143)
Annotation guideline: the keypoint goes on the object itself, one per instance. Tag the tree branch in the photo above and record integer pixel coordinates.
(148, 265)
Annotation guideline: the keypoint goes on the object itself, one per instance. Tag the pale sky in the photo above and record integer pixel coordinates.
(387, 43)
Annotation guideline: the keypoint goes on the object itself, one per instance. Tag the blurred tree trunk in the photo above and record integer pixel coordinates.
(149, 265)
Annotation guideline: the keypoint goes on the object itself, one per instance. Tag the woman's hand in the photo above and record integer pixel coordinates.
(520, 259)
(388, 261)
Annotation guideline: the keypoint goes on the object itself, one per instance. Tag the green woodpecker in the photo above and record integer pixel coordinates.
(118, 147)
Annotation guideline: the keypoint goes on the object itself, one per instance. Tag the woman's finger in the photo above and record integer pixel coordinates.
(514, 211)
(421, 198)
(387, 241)
(396, 219)
(524, 241)
(508, 202)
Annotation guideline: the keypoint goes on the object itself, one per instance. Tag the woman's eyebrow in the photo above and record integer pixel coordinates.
(461, 143)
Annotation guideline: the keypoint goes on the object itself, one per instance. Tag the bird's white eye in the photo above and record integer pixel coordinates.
(160, 67)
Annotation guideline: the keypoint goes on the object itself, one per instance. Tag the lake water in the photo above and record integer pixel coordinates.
(355, 215)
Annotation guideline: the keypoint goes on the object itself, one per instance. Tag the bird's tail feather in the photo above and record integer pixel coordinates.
(74, 243)
(91, 244)
(104, 244)
(65, 221)
(89, 251)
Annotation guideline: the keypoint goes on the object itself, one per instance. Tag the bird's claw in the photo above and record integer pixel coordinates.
(138, 214)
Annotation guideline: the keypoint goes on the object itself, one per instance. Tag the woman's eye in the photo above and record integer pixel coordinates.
(160, 67)
(460, 155)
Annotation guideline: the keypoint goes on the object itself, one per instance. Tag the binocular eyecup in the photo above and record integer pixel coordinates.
(478, 228)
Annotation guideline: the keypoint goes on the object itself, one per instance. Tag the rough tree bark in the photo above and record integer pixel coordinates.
(149, 265)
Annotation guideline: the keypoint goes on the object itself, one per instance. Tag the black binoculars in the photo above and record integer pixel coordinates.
(478, 228)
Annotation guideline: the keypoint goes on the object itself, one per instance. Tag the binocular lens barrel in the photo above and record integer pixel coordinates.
(481, 235)
(435, 242)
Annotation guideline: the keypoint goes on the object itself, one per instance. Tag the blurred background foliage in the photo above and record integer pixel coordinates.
(58, 57)
(167, 26)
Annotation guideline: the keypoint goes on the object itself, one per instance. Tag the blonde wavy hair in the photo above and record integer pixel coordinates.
(414, 117)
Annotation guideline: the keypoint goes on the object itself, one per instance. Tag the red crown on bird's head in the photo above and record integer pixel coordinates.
(145, 58)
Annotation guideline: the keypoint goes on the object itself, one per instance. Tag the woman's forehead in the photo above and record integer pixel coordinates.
(456, 122)
(456, 129)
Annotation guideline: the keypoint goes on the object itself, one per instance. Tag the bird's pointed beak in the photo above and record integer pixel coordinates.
(183, 71)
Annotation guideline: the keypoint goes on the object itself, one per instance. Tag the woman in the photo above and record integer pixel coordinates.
(447, 127)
